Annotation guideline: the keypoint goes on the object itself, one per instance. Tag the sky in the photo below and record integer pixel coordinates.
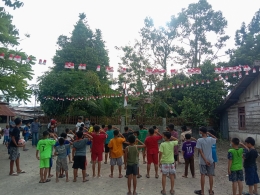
(119, 21)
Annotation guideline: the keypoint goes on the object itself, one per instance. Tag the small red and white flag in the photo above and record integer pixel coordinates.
(2, 55)
(11, 56)
(98, 68)
(40, 61)
(174, 71)
(109, 69)
(18, 58)
(69, 65)
(82, 67)
(44, 62)
(28, 59)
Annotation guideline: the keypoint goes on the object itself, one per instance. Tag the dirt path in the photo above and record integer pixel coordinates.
(28, 183)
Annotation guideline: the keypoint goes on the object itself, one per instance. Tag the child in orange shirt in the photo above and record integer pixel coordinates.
(116, 152)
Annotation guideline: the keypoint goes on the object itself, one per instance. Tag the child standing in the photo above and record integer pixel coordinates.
(98, 140)
(44, 146)
(166, 160)
(131, 161)
(26, 131)
(214, 149)
(250, 156)
(174, 134)
(110, 135)
(142, 136)
(206, 162)
(235, 166)
(116, 152)
(80, 149)
(6, 135)
(188, 155)
(152, 149)
(70, 138)
(61, 163)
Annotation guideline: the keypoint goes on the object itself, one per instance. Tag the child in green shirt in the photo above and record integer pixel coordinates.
(143, 132)
(45, 147)
(235, 166)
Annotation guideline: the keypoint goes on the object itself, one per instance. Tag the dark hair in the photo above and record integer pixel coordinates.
(154, 127)
(61, 141)
(82, 125)
(171, 127)
(116, 133)
(203, 129)
(213, 132)
(17, 121)
(79, 118)
(103, 126)
(126, 128)
(250, 140)
(45, 133)
(79, 134)
(109, 126)
(67, 130)
(235, 141)
(131, 139)
(187, 136)
(137, 133)
(184, 128)
(81, 129)
(93, 124)
(35, 119)
(27, 123)
(63, 135)
(141, 126)
(151, 131)
(96, 128)
(167, 134)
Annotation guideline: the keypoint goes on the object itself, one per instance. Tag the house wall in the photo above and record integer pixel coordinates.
(251, 101)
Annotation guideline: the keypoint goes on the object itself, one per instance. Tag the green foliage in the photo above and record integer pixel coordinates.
(83, 46)
(197, 21)
(14, 4)
(13, 75)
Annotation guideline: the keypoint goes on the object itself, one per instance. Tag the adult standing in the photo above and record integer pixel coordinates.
(35, 131)
(14, 148)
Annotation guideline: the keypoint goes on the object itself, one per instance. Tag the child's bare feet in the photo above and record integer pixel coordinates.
(57, 180)
(93, 176)
(111, 175)
(67, 180)
(50, 176)
(120, 176)
(129, 193)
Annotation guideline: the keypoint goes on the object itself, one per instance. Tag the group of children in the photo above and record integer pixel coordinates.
(124, 149)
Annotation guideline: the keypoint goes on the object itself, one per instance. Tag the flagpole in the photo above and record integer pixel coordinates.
(125, 108)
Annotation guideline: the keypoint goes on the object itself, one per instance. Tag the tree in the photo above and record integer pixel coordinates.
(13, 75)
(198, 21)
(83, 46)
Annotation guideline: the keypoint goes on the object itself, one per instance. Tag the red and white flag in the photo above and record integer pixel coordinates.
(44, 62)
(82, 67)
(126, 97)
(2, 55)
(28, 59)
(11, 56)
(69, 65)
(98, 68)
(40, 61)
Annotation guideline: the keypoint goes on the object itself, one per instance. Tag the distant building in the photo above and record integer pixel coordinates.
(5, 112)
(240, 112)
(28, 112)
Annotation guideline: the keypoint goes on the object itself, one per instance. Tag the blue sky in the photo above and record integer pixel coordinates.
(119, 21)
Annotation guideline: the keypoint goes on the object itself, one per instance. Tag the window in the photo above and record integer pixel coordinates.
(241, 118)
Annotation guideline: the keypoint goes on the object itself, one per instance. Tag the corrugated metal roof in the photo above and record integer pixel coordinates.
(5, 111)
(233, 97)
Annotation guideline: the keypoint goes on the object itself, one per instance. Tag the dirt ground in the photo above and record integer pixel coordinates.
(28, 183)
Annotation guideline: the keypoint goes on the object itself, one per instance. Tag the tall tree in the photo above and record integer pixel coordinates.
(84, 46)
(14, 75)
(200, 21)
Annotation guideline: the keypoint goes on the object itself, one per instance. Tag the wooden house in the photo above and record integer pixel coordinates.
(240, 112)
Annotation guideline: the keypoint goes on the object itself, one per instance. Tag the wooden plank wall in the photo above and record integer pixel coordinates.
(251, 101)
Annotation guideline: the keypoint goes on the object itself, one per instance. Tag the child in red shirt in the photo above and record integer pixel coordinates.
(151, 143)
(98, 140)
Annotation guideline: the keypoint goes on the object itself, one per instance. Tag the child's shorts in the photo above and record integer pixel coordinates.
(6, 139)
(207, 170)
(168, 169)
(45, 163)
(50, 162)
(68, 151)
(95, 156)
(131, 169)
(236, 176)
(79, 162)
(251, 176)
(152, 158)
(116, 161)
(62, 163)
